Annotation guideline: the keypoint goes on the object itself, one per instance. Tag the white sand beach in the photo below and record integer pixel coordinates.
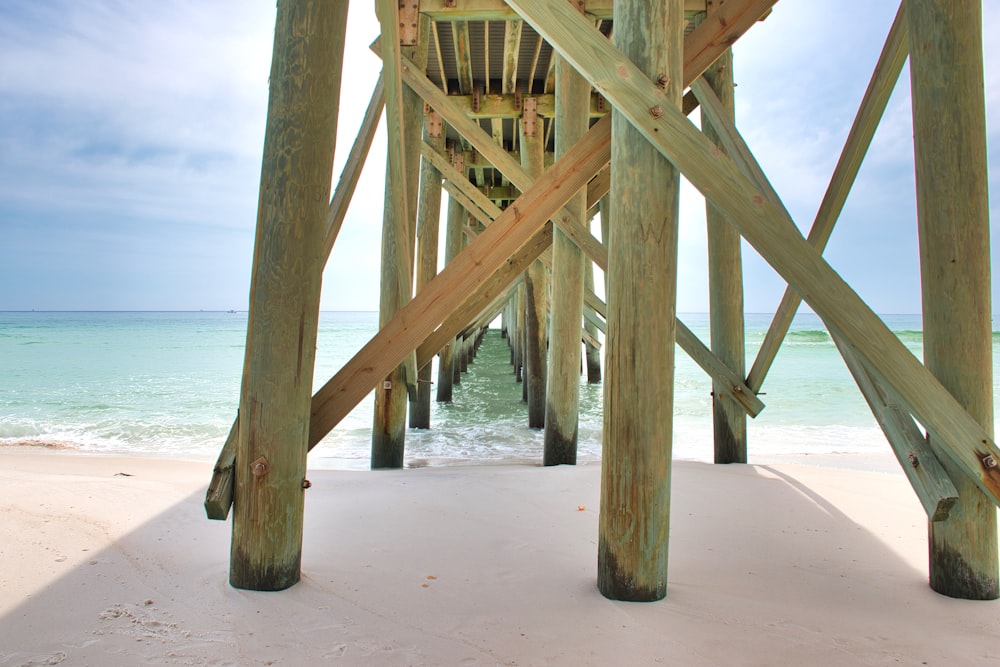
(111, 561)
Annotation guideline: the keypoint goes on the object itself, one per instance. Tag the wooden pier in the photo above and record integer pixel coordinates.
(534, 116)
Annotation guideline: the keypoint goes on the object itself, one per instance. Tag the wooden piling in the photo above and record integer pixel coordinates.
(562, 401)
(946, 71)
(536, 291)
(453, 246)
(398, 235)
(725, 289)
(428, 231)
(593, 351)
(276, 393)
(642, 291)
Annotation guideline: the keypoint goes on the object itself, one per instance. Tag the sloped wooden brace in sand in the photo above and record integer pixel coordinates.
(928, 478)
(772, 234)
(297, 164)
(873, 104)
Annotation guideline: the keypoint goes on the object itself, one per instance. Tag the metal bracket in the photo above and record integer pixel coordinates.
(529, 116)
(476, 99)
(434, 125)
(409, 13)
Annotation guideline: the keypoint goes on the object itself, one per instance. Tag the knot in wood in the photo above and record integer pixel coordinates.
(260, 467)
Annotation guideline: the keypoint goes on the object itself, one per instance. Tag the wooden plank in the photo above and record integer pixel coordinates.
(953, 222)
(718, 31)
(467, 203)
(498, 10)
(536, 291)
(511, 54)
(873, 104)
(483, 256)
(725, 286)
(928, 478)
(296, 174)
(352, 168)
(463, 55)
(219, 497)
(772, 234)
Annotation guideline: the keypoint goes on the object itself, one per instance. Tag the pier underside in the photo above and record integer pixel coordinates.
(533, 115)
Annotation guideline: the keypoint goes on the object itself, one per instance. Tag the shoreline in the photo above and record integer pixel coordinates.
(110, 560)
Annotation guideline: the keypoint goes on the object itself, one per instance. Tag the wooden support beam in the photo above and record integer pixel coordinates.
(772, 234)
(404, 121)
(873, 104)
(352, 168)
(428, 231)
(953, 220)
(270, 462)
(449, 346)
(593, 347)
(536, 303)
(634, 525)
(511, 54)
(463, 55)
(928, 478)
(489, 251)
(725, 285)
(562, 399)
(498, 10)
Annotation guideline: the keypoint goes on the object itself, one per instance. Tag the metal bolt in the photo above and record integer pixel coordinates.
(656, 111)
(260, 467)
(662, 81)
(306, 484)
(914, 461)
(989, 461)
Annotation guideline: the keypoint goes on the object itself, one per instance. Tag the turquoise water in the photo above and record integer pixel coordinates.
(167, 384)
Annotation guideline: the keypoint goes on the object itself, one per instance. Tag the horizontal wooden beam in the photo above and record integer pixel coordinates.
(771, 233)
(498, 10)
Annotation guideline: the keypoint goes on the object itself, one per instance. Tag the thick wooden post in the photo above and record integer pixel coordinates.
(725, 289)
(453, 246)
(593, 351)
(563, 394)
(949, 128)
(428, 228)
(276, 396)
(398, 242)
(642, 295)
(536, 283)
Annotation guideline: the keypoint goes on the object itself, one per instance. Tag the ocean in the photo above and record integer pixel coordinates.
(166, 384)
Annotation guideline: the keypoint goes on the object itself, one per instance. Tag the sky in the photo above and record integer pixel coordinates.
(131, 134)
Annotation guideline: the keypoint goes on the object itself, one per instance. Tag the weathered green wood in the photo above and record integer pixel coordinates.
(461, 184)
(428, 231)
(446, 362)
(593, 348)
(296, 169)
(536, 302)
(497, 10)
(953, 218)
(722, 376)
(463, 55)
(483, 256)
(349, 177)
(772, 234)
(404, 120)
(562, 399)
(725, 288)
(927, 476)
(511, 54)
(634, 523)
(219, 496)
(883, 81)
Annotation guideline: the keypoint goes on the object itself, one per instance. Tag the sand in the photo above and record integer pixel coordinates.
(110, 561)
